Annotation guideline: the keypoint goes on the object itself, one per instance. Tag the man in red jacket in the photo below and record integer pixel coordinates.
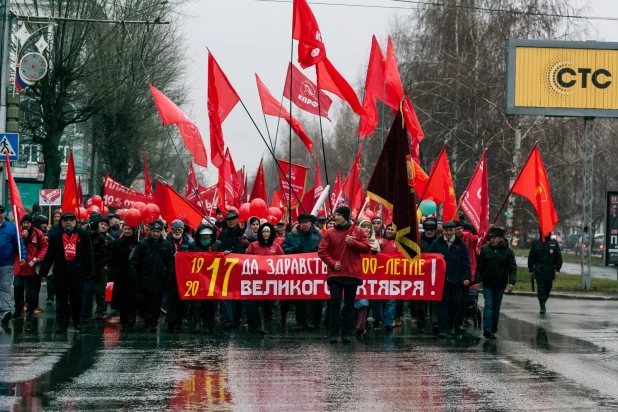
(341, 249)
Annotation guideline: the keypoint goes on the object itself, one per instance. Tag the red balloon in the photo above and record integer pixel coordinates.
(120, 213)
(274, 215)
(133, 217)
(105, 211)
(258, 208)
(369, 214)
(97, 201)
(82, 214)
(151, 213)
(93, 208)
(138, 205)
(244, 212)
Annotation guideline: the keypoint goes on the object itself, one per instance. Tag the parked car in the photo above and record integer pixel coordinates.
(598, 246)
(572, 241)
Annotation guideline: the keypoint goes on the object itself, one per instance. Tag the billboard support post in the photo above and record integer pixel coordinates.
(587, 199)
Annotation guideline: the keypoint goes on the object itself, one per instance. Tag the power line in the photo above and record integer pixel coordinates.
(319, 3)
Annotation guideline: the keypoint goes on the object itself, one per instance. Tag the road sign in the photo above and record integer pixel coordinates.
(49, 197)
(9, 142)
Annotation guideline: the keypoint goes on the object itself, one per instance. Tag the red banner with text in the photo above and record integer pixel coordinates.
(117, 195)
(385, 276)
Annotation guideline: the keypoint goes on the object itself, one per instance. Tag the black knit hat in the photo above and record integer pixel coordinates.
(27, 218)
(496, 232)
(344, 211)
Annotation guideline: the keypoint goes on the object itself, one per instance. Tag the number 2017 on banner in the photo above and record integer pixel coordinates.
(196, 267)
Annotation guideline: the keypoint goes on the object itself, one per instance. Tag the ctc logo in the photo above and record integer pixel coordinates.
(567, 78)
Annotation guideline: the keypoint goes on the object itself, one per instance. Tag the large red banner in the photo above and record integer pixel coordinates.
(117, 195)
(385, 276)
(297, 175)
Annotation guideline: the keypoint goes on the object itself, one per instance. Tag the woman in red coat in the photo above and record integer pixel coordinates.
(264, 246)
(36, 245)
(341, 249)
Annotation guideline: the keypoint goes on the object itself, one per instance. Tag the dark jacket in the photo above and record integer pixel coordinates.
(456, 257)
(496, 266)
(152, 264)
(232, 240)
(304, 242)
(196, 246)
(186, 240)
(99, 250)
(119, 251)
(426, 243)
(115, 231)
(78, 269)
(545, 259)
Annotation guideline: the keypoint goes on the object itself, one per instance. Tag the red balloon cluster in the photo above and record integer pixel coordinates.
(82, 214)
(274, 215)
(96, 200)
(133, 217)
(140, 212)
(257, 208)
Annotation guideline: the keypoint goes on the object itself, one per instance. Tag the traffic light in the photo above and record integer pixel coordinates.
(506, 213)
(12, 113)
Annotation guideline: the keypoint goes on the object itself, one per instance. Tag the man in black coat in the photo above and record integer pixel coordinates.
(418, 308)
(497, 269)
(93, 286)
(70, 252)
(544, 263)
(124, 294)
(152, 267)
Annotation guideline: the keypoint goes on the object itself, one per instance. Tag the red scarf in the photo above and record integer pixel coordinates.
(70, 246)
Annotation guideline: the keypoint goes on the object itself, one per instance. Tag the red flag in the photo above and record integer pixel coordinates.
(440, 187)
(206, 196)
(354, 177)
(272, 107)
(69, 201)
(317, 181)
(336, 191)
(308, 202)
(358, 201)
(305, 29)
(191, 183)
(173, 206)
(80, 193)
(533, 184)
(171, 114)
(304, 93)
(223, 97)
(475, 200)
(330, 79)
(17, 207)
(297, 174)
(277, 201)
(242, 189)
(147, 182)
(229, 187)
(259, 189)
(420, 178)
(374, 88)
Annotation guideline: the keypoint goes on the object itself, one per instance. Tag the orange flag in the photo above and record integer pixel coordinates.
(440, 187)
(69, 201)
(533, 184)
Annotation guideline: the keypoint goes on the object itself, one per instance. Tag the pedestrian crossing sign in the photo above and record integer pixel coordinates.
(9, 143)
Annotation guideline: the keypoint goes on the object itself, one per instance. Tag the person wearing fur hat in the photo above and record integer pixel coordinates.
(27, 279)
(203, 311)
(496, 268)
(458, 275)
(152, 267)
(341, 249)
(124, 293)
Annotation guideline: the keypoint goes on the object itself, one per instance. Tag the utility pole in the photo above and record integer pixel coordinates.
(514, 168)
(4, 79)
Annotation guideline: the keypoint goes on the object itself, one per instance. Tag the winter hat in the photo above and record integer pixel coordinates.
(430, 223)
(448, 225)
(27, 218)
(306, 217)
(344, 211)
(94, 226)
(206, 231)
(496, 232)
(177, 224)
(156, 225)
(458, 223)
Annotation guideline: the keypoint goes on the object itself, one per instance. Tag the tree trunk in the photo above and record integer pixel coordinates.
(53, 159)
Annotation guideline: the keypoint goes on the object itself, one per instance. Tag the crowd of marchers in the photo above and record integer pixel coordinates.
(78, 259)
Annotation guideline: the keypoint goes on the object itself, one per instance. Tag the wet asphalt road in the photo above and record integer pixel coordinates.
(566, 360)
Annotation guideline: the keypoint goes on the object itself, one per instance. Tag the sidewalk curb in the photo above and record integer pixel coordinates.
(568, 296)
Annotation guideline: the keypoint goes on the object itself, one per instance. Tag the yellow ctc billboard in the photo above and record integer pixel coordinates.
(556, 78)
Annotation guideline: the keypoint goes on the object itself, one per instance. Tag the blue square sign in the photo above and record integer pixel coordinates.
(9, 142)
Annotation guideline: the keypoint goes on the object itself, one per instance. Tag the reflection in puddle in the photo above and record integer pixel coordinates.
(202, 389)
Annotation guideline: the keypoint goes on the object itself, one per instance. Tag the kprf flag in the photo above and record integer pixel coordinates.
(374, 89)
(305, 29)
(440, 187)
(533, 184)
(304, 93)
(273, 107)
(221, 100)
(297, 175)
(69, 201)
(259, 189)
(147, 182)
(475, 200)
(390, 186)
(171, 114)
(331, 80)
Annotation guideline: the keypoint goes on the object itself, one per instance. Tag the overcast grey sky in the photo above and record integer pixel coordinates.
(249, 36)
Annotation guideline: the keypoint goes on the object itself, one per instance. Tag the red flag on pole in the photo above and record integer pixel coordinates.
(305, 29)
(228, 182)
(69, 201)
(354, 177)
(475, 200)
(173, 206)
(191, 183)
(304, 93)
(147, 182)
(259, 190)
(533, 184)
(440, 187)
(336, 191)
(221, 100)
(420, 178)
(317, 181)
(298, 179)
(17, 207)
(171, 114)
(331, 80)
(272, 107)
(80, 193)
(374, 88)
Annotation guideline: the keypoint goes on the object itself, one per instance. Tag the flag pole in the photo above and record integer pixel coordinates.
(514, 183)
(267, 130)
(290, 138)
(322, 136)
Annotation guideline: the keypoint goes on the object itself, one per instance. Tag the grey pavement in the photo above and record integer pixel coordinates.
(564, 360)
(600, 272)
